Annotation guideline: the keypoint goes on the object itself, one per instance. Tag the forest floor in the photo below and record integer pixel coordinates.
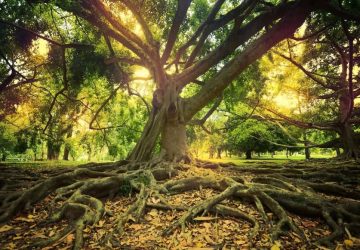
(208, 231)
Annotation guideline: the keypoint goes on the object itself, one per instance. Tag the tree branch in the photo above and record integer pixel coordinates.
(66, 45)
(65, 86)
(351, 66)
(129, 35)
(134, 9)
(106, 101)
(201, 122)
(298, 123)
(279, 31)
(245, 9)
(311, 75)
(237, 37)
(180, 15)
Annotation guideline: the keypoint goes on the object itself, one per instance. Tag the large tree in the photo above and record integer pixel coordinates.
(181, 46)
(252, 28)
(330, 61)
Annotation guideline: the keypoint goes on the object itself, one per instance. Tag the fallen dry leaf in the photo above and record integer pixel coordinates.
(24, 219)
(11, 245)
(40, 235)
(100, 224)
(276, 246)
(5, 228)
(153, 212)
(348, 243)
(70, 238)
(205, 218)
(135, 226)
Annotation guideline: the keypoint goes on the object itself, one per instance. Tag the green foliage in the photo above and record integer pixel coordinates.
(7, 141)
(125, 188)
(252, 135)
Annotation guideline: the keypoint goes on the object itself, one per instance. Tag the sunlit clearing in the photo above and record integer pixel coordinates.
(40, 47)
(285, 101)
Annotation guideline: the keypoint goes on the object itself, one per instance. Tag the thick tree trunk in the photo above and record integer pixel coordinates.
(248, 154)
(350, 145)
(218, 153)
(173, 142)
(166, 119)
(66, 153)
(144, 148)
(53, 150)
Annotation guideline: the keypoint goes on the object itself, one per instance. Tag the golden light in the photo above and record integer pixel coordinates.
(142, 81)
(40, 47)
(141, 73)
(286, 101)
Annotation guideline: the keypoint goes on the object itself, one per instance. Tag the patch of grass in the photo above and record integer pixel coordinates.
(277, 159)
(44, 164)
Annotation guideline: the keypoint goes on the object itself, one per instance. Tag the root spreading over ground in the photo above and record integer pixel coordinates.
(168, 205)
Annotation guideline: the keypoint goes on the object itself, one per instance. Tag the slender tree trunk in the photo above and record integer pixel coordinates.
(89, 152)
(67, 147)
(337, 150)
(248, 154)
(211, 154)
(3, 157)
(307, 150)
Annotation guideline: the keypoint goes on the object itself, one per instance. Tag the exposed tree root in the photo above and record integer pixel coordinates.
(308, 191)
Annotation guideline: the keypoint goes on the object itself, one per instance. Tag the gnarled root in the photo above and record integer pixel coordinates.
(308, 191)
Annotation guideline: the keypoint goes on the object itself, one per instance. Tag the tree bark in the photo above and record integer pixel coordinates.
(218, 153)
(166, 119)
(67, 147)
(337, 152)
(347, 137)
(346, 132)
(173, 141)
(66, 153)
(307, 150)
(53, 150)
